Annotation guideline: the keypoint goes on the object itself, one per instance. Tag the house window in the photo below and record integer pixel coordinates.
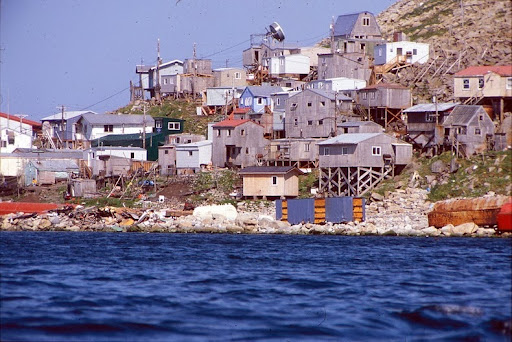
(281, 61)
(158, 124)
(132, 155)
(465, 84)
(478, 131)
(306, 147)
(376, 151)
(372, 95)
(166, 152)
(344, 150)
(218, 132)
(165, 81)
(310, 104)
(108, 128)
(364, 95)
(326, 151)
(509, 82)
(295, 122)
(310, 122)
(293, 106)
(278, 101)
(366, 21)
(229, 132)
(415, 51)
(173, 126)
(481, 83)
(320, 122)
(242, 132)
(4, 143)
(247, 150)
(260, 100)
(320, 85)
(322, 103)
(238, 75)
(430, 117)
(380, 52)
(190, 153)
(274, 180)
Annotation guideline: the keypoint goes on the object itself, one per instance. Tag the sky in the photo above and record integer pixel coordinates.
(82, 53)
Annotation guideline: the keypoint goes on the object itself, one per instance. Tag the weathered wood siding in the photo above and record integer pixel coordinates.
(261, 185)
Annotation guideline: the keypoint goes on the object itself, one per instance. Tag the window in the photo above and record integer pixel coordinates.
(166, 152)
(310, 104)
(4, 143)
(242, 132)
(322, 103)
(344, 150)
(310, 122)
(364, 95)
(465, 84)
(481, 117)
(132, 155)
(259, 100)
(229, 132)
(158, 124)
(190, 153)
(326, 151)
(481, 83)
(380, 52)
(509, 82)
(247, 150)
(320, 85)
(306, 147)
(165, 80)
(293, 106)
(415, 51)
(295, 122)
(372, 95)
(173, 126)
(430, 117)
(366, 21)
(278, 101)
(108, 128)
(320, 122)
(238, 75)
(274, 180)
(281, 61)
(218, 132)
(376, 151)
(478, 131)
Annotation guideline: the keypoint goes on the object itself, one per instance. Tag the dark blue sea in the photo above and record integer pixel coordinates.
(58, 286)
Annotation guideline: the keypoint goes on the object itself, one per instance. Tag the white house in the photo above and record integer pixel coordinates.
(93, 126)
(295, 64)
(402, 51)
(193, 156)
(61, 126)
(220, 96)
(337, 84)
(128, 152)
(16, 132)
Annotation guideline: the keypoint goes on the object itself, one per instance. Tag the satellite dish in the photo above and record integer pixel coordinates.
(276, 32)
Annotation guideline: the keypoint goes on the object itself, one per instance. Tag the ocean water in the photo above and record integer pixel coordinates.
(58, 286)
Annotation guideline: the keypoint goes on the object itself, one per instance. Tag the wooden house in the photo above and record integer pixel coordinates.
(16, 131)
(294, 66)
(350, 65)
(299, 152)
(353, 164)
(237, 143)
(424, 123)
(314, 113)
(150, 77)
(469, 129)
(62, 130)
(485, 85)
(258, 97)
(229, 77)
(384, 103)
(270, 181)
(193, 157)
(339, 84)
(50, 171)
(279, 112)
(357, 32)
(167, 152)
(402, 52)
(167, 126)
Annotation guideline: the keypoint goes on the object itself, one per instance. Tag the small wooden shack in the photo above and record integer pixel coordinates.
(270, 181)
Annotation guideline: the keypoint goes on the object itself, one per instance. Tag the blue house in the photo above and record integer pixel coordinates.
(257, 97)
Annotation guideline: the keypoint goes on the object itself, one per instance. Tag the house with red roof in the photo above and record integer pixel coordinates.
(490, 86)
(237, 143)
(16, 131)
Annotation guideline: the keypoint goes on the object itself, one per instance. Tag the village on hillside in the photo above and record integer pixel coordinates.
(289, 110)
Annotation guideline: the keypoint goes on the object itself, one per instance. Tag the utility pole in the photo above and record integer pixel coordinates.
(144, 127)
(332, 36)
(194, 66)
(158, 62)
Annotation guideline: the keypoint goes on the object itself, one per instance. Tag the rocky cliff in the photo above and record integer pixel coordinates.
(461, 33)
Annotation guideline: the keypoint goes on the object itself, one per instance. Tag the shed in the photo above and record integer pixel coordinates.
(82, 187)
(270, 181)
(49, 171)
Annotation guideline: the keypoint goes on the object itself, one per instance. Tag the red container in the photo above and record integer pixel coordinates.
(26, 207)
(504, 218)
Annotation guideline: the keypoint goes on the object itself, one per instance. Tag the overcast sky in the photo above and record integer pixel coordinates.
(82, 53)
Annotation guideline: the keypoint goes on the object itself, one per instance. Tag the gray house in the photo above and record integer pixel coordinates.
(298, 152)
(61, 127)
(193, 157)
(351, 65)
(167, 152)
(359, 127)
(314, 113)
(469, 129)
(357, 32)
(353, 164)
(279, 112)
(237, 143)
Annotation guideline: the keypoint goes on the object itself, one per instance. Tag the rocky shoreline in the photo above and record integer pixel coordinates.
(401, 213)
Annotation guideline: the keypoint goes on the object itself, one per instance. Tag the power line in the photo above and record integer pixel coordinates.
(215, 53)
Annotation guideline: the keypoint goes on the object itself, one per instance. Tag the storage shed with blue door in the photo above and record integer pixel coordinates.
(321, 210)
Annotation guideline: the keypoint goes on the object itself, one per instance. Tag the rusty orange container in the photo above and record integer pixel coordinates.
(505, 218)
(26, 207)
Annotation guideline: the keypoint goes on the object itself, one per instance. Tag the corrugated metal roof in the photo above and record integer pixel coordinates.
(13, 117)
(194, 145)
(349, 138)
(461, 115)
(330, 94)
(430, 107)
(481, 70)
(47, 153)
(230, 123)
(264, 91)
(67, 115)
(268, 170)
(112, 119)
(345, 24)
(358, 124)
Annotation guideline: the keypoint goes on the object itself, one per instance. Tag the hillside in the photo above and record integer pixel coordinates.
(461, 33)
